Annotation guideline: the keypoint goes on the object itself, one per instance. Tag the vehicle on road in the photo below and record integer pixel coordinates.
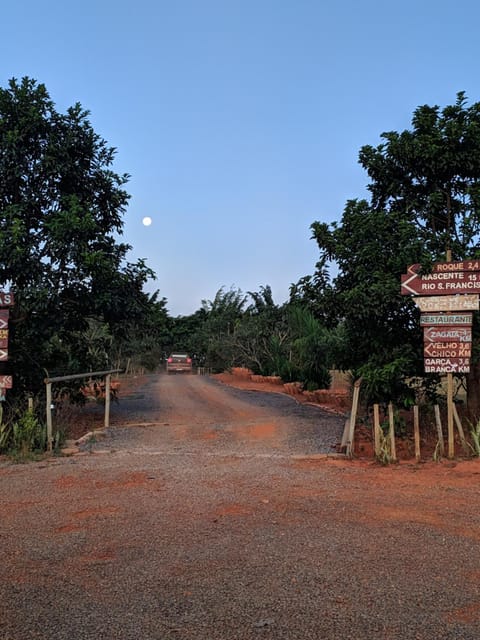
(179, 363)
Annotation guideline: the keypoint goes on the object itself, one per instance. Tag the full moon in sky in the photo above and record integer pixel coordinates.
(147, 221)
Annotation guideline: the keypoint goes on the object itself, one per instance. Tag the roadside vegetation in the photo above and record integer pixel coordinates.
(81, 306)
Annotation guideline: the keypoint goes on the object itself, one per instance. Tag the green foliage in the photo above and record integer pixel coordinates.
(425, 197)
(61, 207)
(475, 435)
(22, 433)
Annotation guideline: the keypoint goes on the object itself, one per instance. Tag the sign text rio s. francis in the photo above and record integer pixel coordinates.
(441, 283)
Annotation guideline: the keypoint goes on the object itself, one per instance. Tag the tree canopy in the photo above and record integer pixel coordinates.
(61, 207)
(425, 200)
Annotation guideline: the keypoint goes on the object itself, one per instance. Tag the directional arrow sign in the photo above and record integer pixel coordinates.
(447, 334)
(3, 354)
(441, 319)
(440, 283)
(448, 303)
(442, 267)
(447, 350)
(6, 382)
(4, 313)
(447, 365)
(453, 367)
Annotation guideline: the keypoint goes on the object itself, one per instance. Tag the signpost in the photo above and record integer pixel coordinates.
(447, 350)
(448, 287)
(439, 319)
(445, 267)
(442, 334)
(6, 382)
(467, 302)
(6, 300)
(441, 284)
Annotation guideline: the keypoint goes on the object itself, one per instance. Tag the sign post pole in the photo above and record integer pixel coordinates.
(451, 441)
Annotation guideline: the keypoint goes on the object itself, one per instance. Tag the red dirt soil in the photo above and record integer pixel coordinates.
(338, 399)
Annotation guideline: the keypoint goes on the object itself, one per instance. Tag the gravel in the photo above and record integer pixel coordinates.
(225, 527)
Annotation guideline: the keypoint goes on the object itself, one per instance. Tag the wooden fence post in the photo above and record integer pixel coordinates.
(107, 401)
(49, 417)
(416, 432)
(376, 429)
(353, 416)
(438, 422)
(393, 448)
(459, 427)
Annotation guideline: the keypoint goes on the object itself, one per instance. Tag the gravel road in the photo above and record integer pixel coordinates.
(207, 514)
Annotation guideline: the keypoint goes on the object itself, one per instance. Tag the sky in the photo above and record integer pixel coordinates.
(240, 121)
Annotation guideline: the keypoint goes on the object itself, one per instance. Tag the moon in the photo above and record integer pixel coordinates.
(147, 221)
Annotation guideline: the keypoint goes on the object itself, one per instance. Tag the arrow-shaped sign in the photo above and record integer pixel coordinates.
(4, 313)
(447, 267)
(440, 283)
(3, 354)
(6, 382)
(447, 350)
(447, 334)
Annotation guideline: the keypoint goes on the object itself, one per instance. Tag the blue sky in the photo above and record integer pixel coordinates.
(240, 121)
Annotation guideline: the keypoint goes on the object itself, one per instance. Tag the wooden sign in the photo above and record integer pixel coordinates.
(4, 313)
(447, 350)
(447, 365)
(440, 319)
(6, 382)
(440, 284)
(3, 355)
(444, 267)
(447, 334)
(448, 303)
(6, 299)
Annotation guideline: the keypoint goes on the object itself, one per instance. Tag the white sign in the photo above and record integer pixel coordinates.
(448, 303)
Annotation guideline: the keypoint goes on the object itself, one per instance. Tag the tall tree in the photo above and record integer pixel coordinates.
(61, 208)
(425, 200)
(430, 175)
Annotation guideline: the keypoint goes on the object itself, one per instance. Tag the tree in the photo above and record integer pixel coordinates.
(430, 175)
(61, 208)
(377, 334)
(425, 197)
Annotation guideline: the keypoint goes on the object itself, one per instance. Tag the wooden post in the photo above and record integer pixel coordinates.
(451, 439)
(107, 401)
(346, 431)
(393, 448)
(416, 432)
(438, 422)
(353, 416)
(376, 429)
(458, 422)
(49, 417)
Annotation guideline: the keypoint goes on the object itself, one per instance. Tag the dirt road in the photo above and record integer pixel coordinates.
(214, 520)
(190, 413)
